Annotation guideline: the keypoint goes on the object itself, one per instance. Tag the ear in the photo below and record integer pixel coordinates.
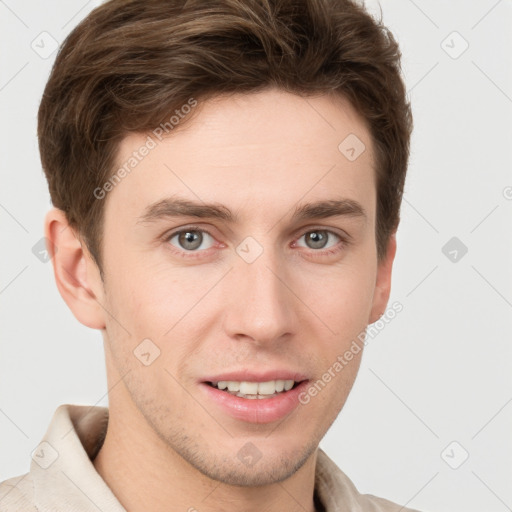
(76, 274)
(383, 282)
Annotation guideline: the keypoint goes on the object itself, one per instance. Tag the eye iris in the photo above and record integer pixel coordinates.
(318, 239)
(190, 239)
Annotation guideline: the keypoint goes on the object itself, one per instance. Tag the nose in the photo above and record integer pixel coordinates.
(259, 304)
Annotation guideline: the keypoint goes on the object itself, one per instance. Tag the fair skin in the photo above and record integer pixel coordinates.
(171, 445)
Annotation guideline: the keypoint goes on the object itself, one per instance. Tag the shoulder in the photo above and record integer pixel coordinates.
(17, 493)
(337, 491)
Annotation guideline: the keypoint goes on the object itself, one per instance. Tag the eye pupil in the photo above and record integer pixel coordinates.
(190, 239)
(318, 239)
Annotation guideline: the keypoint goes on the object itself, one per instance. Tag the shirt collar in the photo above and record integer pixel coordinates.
(61, 464)
(62, 467)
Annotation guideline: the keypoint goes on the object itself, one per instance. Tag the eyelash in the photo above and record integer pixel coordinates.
(342, 244)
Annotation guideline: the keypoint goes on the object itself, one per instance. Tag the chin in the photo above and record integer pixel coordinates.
(249, 467)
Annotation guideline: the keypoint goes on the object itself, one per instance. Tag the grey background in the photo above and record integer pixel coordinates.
(438, 373)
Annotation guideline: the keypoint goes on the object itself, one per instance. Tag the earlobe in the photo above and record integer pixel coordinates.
(76, 275)
(383, 282)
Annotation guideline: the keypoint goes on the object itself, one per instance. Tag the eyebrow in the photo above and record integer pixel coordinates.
(176, 207)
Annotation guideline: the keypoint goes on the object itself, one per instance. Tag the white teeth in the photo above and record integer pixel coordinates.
(267, 388)
(248, 388)
(279, 385)
(234, 386)
(253, 390)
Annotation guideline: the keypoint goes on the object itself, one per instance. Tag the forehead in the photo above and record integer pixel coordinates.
(252, 151)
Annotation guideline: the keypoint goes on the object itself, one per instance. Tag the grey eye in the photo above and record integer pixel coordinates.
(191, 239)
(319, 238)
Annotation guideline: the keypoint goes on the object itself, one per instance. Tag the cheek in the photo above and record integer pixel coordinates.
(141, 293)
(342, 296)
(160, 304)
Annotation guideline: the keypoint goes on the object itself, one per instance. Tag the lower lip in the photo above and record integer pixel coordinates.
(258, 410)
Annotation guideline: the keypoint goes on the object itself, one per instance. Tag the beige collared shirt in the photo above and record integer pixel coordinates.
(63, 478)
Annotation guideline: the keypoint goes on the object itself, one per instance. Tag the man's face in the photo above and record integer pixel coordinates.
(253, 294)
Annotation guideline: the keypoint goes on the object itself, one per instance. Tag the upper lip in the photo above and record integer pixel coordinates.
(257, 376)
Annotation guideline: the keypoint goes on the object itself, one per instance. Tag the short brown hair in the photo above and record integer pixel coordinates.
(130, 63)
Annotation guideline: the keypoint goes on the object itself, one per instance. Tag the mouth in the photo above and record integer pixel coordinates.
(261, 399)
(255, 390)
